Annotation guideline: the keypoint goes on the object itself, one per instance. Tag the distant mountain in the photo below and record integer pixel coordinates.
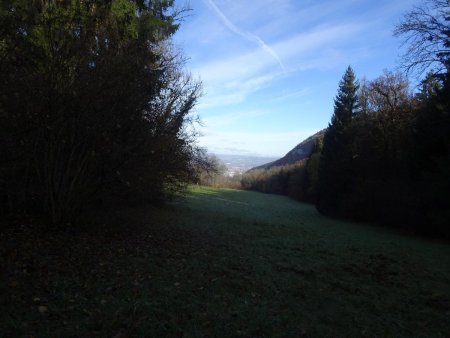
(300, 152)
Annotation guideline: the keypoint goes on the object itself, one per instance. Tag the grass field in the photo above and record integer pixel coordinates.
(225, 263)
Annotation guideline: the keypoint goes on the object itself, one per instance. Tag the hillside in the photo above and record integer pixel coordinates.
(300, 152)
(225, 263)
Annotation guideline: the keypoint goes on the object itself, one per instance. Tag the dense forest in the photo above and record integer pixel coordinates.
(95, 107)
(385, 156)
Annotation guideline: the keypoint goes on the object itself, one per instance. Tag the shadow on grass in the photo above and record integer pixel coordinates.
(223, 263)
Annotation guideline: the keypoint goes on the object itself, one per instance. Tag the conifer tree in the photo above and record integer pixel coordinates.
(335, 164)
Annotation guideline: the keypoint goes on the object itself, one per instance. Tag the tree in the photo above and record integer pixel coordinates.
(210, 171)
(431, 136)
(94, 105)
(426, 32)
(387, 93)
(335, 163)
(388, 102)
(430, 87)
(382, 150)
(346, 103)
(305, 188)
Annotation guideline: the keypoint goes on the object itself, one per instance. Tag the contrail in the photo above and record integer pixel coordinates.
(247, 35)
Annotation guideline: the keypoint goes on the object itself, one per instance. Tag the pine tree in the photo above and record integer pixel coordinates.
(335, 163)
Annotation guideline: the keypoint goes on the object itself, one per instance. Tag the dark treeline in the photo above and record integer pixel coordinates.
(385, 156)
(386, 152)
(298, 180)
(281, 180)
(94, 106)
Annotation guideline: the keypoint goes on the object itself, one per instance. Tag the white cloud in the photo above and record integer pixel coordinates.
(291, 94)
(231, 118)
(247, 35)
(230, 80)
(284, 49)
(234, 91)
(317, 42)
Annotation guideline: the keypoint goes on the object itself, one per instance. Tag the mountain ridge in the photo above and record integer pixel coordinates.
(301, 151)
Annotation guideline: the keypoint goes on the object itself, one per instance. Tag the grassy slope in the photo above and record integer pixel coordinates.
(229, 263)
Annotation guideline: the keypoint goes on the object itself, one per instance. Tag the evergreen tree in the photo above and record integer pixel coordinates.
(94, 105)
(346, 103)
(335, 176)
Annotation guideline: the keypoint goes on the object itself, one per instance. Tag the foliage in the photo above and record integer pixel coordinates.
(389, 163)
(397, 151)
(277, 180)
(94, 105)
(298, 180)
(431, 141)
(215, 174)
(311, 181)
(393, 166)
(335, 175)
(419, 157)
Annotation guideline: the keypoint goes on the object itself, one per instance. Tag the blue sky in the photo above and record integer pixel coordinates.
(270, 68)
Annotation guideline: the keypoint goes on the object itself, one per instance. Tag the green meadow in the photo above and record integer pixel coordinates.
(225, 263)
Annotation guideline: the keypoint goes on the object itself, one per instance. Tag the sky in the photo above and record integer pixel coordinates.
(270, 69)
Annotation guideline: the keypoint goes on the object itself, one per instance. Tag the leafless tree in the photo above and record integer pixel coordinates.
(426, 34)
(387, 93)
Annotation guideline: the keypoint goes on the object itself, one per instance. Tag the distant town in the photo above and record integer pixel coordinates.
(238, 164)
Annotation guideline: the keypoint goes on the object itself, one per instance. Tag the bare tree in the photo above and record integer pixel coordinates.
(388, 93)
(426, 33)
